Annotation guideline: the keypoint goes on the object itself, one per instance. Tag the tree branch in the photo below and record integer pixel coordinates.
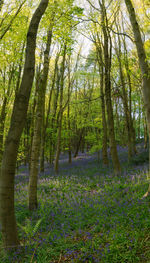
(11, 21)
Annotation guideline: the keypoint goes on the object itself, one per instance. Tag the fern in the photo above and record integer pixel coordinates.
(30, 230)
(37, 226)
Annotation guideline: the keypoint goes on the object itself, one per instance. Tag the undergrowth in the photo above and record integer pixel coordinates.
(86, 214)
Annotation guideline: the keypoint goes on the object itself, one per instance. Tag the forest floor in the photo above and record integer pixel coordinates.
(86, 213)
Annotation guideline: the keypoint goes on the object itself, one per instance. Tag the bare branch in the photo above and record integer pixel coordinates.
(97, 9)
(121, 33)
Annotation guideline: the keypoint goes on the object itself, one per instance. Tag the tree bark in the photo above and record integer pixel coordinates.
(125, 101)
(68, 114)
(20, 69)
(130, 100)
(56, 164)
(104, 122)
(107, 61)
(40, 114)
(35, 152)
(53, 120)
(80, 136)
(7, 212)
(145, 134)
(4, 113)
(47, 117)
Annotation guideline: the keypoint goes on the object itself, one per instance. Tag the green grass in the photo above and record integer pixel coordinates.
(85, 215)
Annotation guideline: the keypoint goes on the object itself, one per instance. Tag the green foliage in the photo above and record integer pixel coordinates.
(95, 148)
(29, 229)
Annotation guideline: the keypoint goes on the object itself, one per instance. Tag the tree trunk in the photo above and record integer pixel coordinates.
(32, 110)
(20, 69)
(139, 119)
(35, 152)
(44, 84)
(107, 60)
(145, 134)
(56, 164)
(47, 115)
(104, 123)
(53, 121)
(79, 142)
(40, 113)
(143, 66)
(130, 99)
(68, 114)
(7, 213)
(4, 113)
(125, 102)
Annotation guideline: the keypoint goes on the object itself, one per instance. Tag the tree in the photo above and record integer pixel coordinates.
(103, 106)
(62, 70)
(7, 213)
(7, 26)
(35, 152)
(128, 118)
(145, 69)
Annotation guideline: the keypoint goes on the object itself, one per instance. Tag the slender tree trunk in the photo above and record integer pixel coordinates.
(104, 123)
(47, 115)
(68, 115)
(7, 213)
(35, 154)
(78, 142)
(26, 141)
(56, 164)
(107, 60)
(145, 134)
(143, 66)
(53, 121)
(33, 111)
(104, 148)
(4, 113)
(139, 119)
(44, 84)
(20, 69)
(125, 102)
(130, 97)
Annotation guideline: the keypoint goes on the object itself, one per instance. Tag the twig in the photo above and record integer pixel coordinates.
(34, 252)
